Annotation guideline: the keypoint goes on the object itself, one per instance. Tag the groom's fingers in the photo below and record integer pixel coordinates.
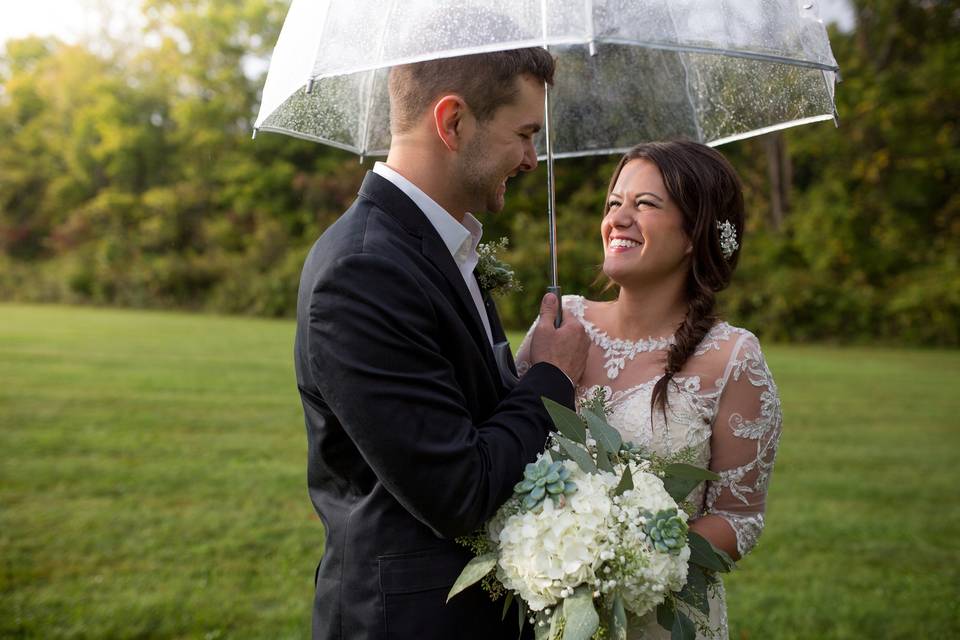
(548, 308)
(564, 347)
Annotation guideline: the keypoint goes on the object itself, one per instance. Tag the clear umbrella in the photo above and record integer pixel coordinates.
(627, 70)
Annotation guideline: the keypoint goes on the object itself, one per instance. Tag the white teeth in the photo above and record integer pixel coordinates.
(623, 243)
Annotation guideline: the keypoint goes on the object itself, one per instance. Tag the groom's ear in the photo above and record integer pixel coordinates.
(449, 116)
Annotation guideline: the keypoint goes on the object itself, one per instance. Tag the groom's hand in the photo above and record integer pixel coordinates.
(565, 346)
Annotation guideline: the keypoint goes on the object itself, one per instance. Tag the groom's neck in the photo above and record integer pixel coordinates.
(429, 172)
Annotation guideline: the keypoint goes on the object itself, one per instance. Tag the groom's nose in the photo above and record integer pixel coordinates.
(529, 156)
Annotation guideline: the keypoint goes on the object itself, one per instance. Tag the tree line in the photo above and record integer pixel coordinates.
(128, 177)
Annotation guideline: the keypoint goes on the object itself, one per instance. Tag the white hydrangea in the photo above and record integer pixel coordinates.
(594, 538)
(547, 551)
(644, 575)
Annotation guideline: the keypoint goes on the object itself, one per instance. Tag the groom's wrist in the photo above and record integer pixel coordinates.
(552, 382)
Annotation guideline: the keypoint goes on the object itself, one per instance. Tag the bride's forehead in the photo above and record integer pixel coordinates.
(639, 175)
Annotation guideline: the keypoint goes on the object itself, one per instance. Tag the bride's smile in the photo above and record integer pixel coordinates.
(642, 230)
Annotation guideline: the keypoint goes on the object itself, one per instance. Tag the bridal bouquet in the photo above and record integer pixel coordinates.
(596, 530)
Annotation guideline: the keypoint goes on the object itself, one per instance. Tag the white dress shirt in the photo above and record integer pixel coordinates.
(460, 239)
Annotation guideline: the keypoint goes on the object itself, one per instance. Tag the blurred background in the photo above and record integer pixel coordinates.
(153, 480)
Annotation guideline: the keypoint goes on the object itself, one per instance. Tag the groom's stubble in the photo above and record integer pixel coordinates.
(481, 174)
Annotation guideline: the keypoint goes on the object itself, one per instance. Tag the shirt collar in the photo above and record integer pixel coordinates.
(461, 240)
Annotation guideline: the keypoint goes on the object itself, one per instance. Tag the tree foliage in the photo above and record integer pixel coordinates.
(128, 177)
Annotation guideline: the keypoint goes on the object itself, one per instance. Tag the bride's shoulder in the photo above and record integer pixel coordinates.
(577, 304)
(588, 312)
(726, 337)
(574, 301)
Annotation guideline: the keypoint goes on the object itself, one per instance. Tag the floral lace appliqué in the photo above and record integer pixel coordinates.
(616, 351)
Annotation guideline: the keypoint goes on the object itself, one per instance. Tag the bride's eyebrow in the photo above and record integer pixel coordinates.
(642, 193)
(650, 193)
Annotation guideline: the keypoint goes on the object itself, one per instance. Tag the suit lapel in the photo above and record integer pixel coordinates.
(396, 203)
(496, 327)
(503, 356)
(437, 253)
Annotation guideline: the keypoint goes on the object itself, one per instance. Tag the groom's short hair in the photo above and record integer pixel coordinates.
(486, 81)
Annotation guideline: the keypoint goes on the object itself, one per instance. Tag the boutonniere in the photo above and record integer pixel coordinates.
(493, 274)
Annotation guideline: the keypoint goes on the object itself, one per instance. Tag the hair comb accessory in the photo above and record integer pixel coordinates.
(728, 238)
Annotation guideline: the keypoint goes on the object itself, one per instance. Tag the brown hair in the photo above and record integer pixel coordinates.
(485, 81)
(707, 190)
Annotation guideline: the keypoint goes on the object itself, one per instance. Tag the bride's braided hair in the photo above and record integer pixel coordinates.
(707, 190)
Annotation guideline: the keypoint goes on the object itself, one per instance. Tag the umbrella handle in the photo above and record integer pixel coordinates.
(559, 319)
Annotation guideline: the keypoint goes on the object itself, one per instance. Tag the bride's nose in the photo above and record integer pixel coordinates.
(621, 218)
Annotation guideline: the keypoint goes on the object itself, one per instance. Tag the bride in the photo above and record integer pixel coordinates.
(679, 381)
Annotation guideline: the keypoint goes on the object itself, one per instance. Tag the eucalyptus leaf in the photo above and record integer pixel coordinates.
(521, 618)
(683, 627)
(682, 470)
(665, 614)
(626, 482)
(679, 488)
(475, 570)
(581, 617)
(577, 454)
(694, 592)
(555, 621)
(542, 631)
(618, 619)
(601, 431)
(567, 422)
(506, 605)
(725, 557)
(704, 554)
(603, 458)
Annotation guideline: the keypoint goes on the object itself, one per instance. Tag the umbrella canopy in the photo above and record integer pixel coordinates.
(627, 70)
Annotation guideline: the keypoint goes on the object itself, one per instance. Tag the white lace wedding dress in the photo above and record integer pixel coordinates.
(722, 413)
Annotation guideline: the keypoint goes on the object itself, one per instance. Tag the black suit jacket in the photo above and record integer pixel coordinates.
(413, 437)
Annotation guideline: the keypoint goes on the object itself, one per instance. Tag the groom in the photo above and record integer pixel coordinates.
(414, 439)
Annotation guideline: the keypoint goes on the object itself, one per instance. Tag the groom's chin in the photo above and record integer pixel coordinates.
(496, 204)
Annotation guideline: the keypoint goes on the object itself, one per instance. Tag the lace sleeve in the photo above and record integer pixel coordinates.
(746, 431)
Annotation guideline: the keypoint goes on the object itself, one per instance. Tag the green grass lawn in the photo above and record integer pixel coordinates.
(152, 484)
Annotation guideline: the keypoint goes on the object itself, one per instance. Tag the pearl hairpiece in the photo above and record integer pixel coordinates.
(728, 238)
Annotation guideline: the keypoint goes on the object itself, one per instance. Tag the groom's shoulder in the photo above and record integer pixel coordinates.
(365, 232)
(366, 227)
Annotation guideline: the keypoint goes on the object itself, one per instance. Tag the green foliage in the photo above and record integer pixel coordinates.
(579, 614)
(704, 554)
(473, 573)
(129, 178)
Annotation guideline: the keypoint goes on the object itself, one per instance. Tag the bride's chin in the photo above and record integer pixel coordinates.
(614, 275)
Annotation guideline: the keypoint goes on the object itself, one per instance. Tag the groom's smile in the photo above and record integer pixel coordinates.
(502, 147)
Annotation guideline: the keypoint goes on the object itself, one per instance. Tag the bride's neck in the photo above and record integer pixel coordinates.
(650, 311)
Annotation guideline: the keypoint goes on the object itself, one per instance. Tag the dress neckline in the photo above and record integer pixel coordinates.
(616, 351)
(602, 338)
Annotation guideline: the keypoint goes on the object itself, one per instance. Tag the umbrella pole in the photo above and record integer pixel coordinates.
(554, 287)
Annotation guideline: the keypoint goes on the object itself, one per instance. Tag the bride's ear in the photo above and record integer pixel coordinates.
(449, 116)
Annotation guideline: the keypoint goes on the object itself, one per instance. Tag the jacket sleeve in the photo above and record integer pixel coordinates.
(376, 360)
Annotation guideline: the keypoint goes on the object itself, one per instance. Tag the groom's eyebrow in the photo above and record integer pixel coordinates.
(533, 127)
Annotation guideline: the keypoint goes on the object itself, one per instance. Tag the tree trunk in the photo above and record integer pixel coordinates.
(780, 173)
